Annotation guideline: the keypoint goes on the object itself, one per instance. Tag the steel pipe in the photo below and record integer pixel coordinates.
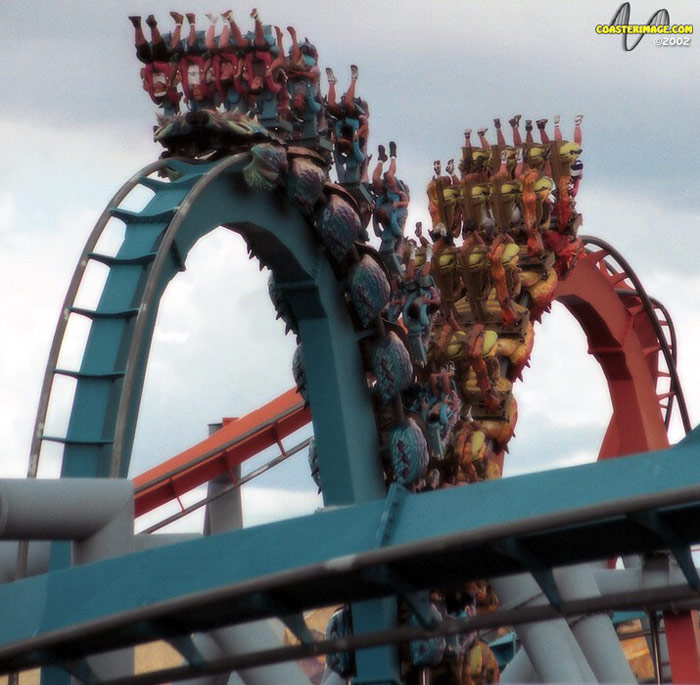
(225, 512)
(551, 646)
(95, 514)
(62, 509)
(520, 670)
(594, 632)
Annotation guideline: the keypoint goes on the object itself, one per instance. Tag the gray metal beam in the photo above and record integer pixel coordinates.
(225, 513)
(550, 645)
(594, 633)
(63, 509)
(97, 515)
(440, 538)
(406, 633)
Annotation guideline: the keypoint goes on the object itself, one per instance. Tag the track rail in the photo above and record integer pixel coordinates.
(206, 195)
(104, 373)
(235, 442)
(259, 430)
(628, 285)
(280, 231)
(185, 511)
(138, 350)
(625, 336)
(68, 306)
(281, 227)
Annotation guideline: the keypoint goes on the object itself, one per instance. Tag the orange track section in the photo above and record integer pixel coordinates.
(625, 345)
(237, 441)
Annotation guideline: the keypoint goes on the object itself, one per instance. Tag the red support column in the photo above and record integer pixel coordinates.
(625, 344)
(683, 638)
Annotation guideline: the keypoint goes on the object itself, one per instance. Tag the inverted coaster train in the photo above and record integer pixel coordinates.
(407, 358)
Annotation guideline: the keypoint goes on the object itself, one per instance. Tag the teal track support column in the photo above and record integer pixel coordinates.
(110, 380)
(379, 665)
(346, 437)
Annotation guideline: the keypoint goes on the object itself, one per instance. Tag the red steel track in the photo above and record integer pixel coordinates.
(622, 337)
(237, 441)
(632, 337)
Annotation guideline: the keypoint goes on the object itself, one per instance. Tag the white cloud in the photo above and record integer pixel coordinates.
(576, 458)
(680, 295)
(265, 505)
(638, 222)
(231, 357)
(172, 337)
(8, 212)
(441, 67)
(260, 506)
(32, 282)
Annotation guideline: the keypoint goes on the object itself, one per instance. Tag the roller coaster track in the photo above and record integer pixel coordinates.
(280, 228)
(629, 287)
(629, 334)
(235, 442)
(104, 377)
(217, 454)
(202, 196)
(68, 308)
(109, 381)
(150, 244)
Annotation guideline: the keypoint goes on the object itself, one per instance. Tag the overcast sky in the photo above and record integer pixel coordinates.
(75, 124)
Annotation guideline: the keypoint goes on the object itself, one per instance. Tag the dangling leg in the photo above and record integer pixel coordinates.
(482, 138)
(499, 133)
(143, 49)
(541, 123)
(503, 168)
(158, 49)
(518, 162)
(349, 98)
(295, 54)
(333, 106)
(281, 57)
(363, 133)
(357, 150)
(225, 36)
(377, 182)
(281, 60)
(390, 177)
(468, 138)
(515, 123)
(238, 39)
(260, 41)
(192, 37)
(262, 51)
(557, 130)
(528, 131)
(177, 32)
(467, 162)
(280, 38)
(209, 38)
(578, 136)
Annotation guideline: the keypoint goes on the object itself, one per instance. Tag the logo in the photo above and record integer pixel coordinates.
(659, 24)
